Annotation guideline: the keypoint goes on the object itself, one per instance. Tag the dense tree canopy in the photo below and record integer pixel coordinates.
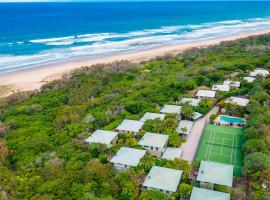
(42, 149)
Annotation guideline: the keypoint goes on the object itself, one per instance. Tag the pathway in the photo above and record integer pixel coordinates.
(190, 146)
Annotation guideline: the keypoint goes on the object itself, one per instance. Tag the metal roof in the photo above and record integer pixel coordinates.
(128, 156)
(154, 140)
(216, 173)
(162, 178)
(101, 136)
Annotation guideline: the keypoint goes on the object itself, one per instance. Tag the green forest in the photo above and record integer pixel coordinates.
(43, 155)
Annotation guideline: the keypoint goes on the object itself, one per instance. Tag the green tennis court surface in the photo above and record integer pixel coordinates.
(222, 144)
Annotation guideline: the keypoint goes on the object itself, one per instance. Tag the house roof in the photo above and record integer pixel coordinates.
(152, 116)
(249, 79)
(197, 115)
(154, 140)
(232, 83)
(259, 72)
(101, 136)
(191, 101)
(171, 153)
(130, 125)
(216, 173)
(206, 93)
(171, 109)
(185, 124)
(205, 194)
(128, 156)
(223, 88)
(238, 101)
(163, 178)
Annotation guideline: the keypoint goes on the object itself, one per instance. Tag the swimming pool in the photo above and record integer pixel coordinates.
(232, 120)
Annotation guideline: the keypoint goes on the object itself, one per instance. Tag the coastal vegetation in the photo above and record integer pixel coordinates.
(42, 149)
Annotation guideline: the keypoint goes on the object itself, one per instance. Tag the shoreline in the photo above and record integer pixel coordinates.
(34, 78)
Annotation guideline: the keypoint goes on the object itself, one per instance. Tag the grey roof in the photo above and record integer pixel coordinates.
(259, 72)
(249, 79)
(205, 194)
(197, 115)
(162, 178)
(171, 153)
(223, 88)
(185, 124)
(171, 109)
(216, 173)
(101, 136)
(152, 116)
(130, 125)
(238, 101)
(128, 156)
(154, 140)
(191, 101)
(206, 93)
(232, 83)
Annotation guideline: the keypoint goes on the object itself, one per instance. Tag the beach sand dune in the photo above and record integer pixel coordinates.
(32, 79)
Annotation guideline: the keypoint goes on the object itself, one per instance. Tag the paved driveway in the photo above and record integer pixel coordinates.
(190, 146)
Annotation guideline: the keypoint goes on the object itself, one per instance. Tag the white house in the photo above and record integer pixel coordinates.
(222, 88)
(185, 124)
(152, 116)
(205, 194)
(238, 101)
(206, 94)
(154, 143)
(163, 179)
(127, 157)
(130, 126)
(172, 153)
(232, 83)
(215, 173)
(196, 116)
(259, 72)
(108, 138)
(171, 109)
(191, 101)
(249, 79)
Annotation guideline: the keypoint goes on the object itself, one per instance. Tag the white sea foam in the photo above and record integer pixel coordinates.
(98, 44)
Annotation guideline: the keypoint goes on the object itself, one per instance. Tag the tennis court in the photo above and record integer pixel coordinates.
(222, 144)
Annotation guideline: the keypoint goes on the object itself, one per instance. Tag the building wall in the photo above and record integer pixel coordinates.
(164, 191)
(121, 167)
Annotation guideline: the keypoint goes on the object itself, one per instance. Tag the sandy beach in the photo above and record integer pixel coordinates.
(32, 79)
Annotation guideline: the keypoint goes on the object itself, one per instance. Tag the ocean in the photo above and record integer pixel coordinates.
(34, 34)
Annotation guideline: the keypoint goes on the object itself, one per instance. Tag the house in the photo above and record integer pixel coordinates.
(163, 179)
(108, 138)
(130, 126)
(171, 109)
(196, 116)
(206, 94)
(154, 143)
(238, 101)
(205, 194)
(249, 79)
(191, 101)
(235, 84)
(127, 157)
(259, 72)
(214, 173)
(152, 116)
(184, 124)
(222, 88)
(171, 153)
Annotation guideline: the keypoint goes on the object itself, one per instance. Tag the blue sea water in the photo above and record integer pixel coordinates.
(32, 34)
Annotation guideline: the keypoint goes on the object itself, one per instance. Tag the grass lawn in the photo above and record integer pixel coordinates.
(222, 144)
